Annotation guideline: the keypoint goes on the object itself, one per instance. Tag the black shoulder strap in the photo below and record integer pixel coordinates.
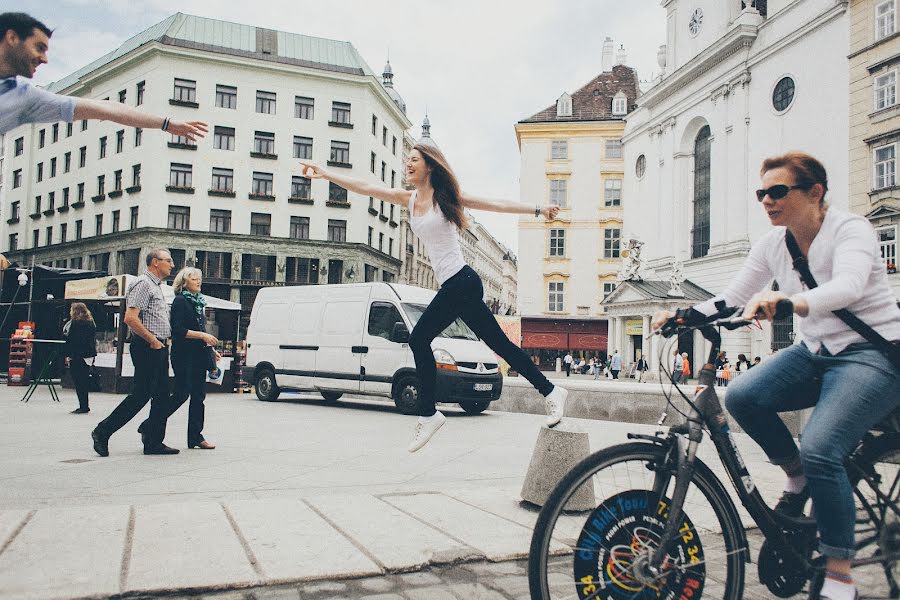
(801, 265)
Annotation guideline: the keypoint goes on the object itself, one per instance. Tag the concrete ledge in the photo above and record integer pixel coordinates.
(606, 400)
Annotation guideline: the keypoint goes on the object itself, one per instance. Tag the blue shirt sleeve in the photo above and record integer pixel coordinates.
(42, 106)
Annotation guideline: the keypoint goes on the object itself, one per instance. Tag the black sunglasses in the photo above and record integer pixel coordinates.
(777, 192)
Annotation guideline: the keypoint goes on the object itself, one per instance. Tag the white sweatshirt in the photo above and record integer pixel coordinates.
(846, 262)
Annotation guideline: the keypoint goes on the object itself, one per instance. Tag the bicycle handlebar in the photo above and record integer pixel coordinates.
(727, 317)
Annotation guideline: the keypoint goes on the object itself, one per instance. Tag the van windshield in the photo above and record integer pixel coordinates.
(457, 329)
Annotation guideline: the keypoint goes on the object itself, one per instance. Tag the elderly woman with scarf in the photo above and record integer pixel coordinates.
(191, 347)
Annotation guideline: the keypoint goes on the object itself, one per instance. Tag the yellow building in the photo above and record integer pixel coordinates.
(875, 121)
(571, 155)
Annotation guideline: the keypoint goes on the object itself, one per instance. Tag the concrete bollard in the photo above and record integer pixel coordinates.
(556, 451)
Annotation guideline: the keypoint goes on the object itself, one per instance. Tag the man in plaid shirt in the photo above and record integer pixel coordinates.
(147, 314)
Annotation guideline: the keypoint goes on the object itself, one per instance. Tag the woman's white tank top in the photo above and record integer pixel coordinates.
(441, 239)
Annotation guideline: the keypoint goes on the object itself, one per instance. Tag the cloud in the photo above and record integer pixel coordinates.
(479, 66)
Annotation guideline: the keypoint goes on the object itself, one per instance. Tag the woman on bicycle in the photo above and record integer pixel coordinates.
(852, 385)
(436, 213)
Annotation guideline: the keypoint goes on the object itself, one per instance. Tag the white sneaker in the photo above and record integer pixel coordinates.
(424, 431)
(556, 405)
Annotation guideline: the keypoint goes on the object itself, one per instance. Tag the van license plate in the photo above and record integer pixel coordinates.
(484, 387)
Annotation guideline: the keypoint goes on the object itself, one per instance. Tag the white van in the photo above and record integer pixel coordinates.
(353, 339)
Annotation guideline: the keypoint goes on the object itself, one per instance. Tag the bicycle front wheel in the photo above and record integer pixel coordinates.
(601, 552)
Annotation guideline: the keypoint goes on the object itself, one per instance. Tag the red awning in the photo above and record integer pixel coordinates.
(546, 341)
(587, 341)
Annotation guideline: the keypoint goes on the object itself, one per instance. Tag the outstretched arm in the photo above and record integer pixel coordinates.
(357, 186)
(119, 113)
(507, 206)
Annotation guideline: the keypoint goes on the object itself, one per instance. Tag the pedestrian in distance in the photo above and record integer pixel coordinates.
(567, 361)
(147, 315)
(615, 364)
(642, 367)
(193, 351)
(81, 343)
(24, 45)
(436, 214)
(742, 363)
(677, 367)
(685, 367)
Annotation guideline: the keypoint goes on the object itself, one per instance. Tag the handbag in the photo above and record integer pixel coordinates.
(94, 384)
(890, 349)
(211, 363)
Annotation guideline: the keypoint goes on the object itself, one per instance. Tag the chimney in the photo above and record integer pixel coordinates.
(621, 56)
(608, 50)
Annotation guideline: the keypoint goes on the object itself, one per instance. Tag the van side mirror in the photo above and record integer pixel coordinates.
(400, 334)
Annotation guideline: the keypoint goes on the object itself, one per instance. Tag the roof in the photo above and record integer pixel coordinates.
(656, 289)
(223, 37)
(593, 102)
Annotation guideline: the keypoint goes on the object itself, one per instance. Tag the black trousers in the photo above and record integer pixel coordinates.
(80, 377)
(190, 382)
(461, 296)
(151, 384)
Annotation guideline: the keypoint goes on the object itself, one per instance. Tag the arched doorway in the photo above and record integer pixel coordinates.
(700, 227)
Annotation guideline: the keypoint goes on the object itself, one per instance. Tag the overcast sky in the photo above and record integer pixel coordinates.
(478, 65)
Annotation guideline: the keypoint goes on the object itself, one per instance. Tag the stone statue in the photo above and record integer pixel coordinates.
(632, 265)
(675, 280)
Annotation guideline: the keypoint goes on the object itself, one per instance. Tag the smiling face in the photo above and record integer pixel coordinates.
(797, 207)
(417, 170)
(25, 56)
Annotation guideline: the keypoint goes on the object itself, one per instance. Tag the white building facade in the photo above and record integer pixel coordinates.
(738, 86)
(99, 195)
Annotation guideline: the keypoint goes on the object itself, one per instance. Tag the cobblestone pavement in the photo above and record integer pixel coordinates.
(480, 581)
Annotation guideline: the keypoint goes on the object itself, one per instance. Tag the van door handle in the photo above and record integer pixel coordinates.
(359, 349)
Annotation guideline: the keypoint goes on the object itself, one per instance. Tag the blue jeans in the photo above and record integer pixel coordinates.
(851, 391)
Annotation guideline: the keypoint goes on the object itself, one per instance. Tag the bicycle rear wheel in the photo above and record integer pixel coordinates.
(601, 553)
(875, 473)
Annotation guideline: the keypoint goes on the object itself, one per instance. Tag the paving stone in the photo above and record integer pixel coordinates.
(381, 584)
(276, 594)
(51, 559)
(431, 593)
(422, 578)
(298, 544)
(383, 597)
(475, 591)
(322, 587)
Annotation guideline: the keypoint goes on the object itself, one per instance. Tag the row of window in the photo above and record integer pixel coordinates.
(559, 149)
(78, 231)
(556, 294)
(19, 142)
(181, 177)
(65, 195)
(52, 164)
(556, 246)
(612, 192)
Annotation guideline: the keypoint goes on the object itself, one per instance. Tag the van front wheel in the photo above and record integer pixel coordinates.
(474, 407)
(406, 395)
(266, 388)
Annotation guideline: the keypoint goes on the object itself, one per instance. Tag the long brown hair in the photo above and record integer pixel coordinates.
(445, 184)
(79, 312)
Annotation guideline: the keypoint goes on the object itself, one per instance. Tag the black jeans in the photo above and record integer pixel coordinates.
(151, 383)
(461, 296)
(80, 377)
(190, 382)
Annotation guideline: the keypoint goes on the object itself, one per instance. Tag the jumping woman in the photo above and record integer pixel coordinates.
(436, 214)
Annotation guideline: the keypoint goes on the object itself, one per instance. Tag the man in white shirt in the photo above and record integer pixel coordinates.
(568, 363)
(677, 367)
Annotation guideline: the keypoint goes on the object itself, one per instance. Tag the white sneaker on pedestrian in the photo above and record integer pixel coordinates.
(556, 405)
(424, 431)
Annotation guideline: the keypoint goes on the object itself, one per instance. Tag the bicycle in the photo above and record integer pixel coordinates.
(643, 539)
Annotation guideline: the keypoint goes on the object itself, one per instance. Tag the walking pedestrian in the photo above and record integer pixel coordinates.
(615, 364)
(147, 315)
(685, 367)
(81, 343)
(436, 213)
(567, 361)
(642, 367)
(742, 363)
(677, 367)
(23, 48)
(191, 348)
